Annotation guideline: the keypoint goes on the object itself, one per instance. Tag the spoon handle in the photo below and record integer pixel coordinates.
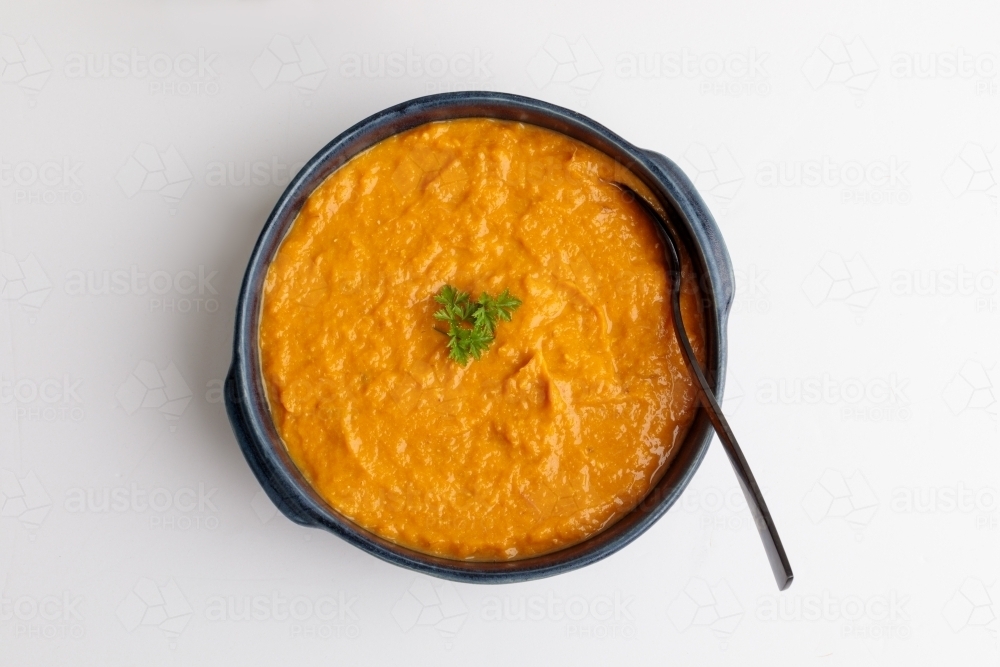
(776, 556)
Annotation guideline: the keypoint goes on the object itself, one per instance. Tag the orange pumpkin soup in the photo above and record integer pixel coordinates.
(564, 423)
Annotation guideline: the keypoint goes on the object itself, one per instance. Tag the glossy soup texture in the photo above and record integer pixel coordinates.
(566, 421)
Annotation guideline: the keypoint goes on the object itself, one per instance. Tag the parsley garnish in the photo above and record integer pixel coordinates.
(472, 324)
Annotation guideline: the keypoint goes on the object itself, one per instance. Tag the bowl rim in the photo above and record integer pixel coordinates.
(246, 401)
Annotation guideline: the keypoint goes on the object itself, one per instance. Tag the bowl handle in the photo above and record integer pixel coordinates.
(705, 229)
(271, 477)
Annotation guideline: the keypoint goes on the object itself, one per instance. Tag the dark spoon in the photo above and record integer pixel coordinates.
(758, 508)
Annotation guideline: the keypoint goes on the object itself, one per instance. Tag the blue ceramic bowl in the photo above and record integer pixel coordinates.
(246, 400)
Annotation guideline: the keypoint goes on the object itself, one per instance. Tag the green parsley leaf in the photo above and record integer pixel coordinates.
(472, 324)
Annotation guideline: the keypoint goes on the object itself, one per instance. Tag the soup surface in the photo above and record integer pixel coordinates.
(564, 423)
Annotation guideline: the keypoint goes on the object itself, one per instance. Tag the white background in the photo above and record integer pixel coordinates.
(862, 376)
